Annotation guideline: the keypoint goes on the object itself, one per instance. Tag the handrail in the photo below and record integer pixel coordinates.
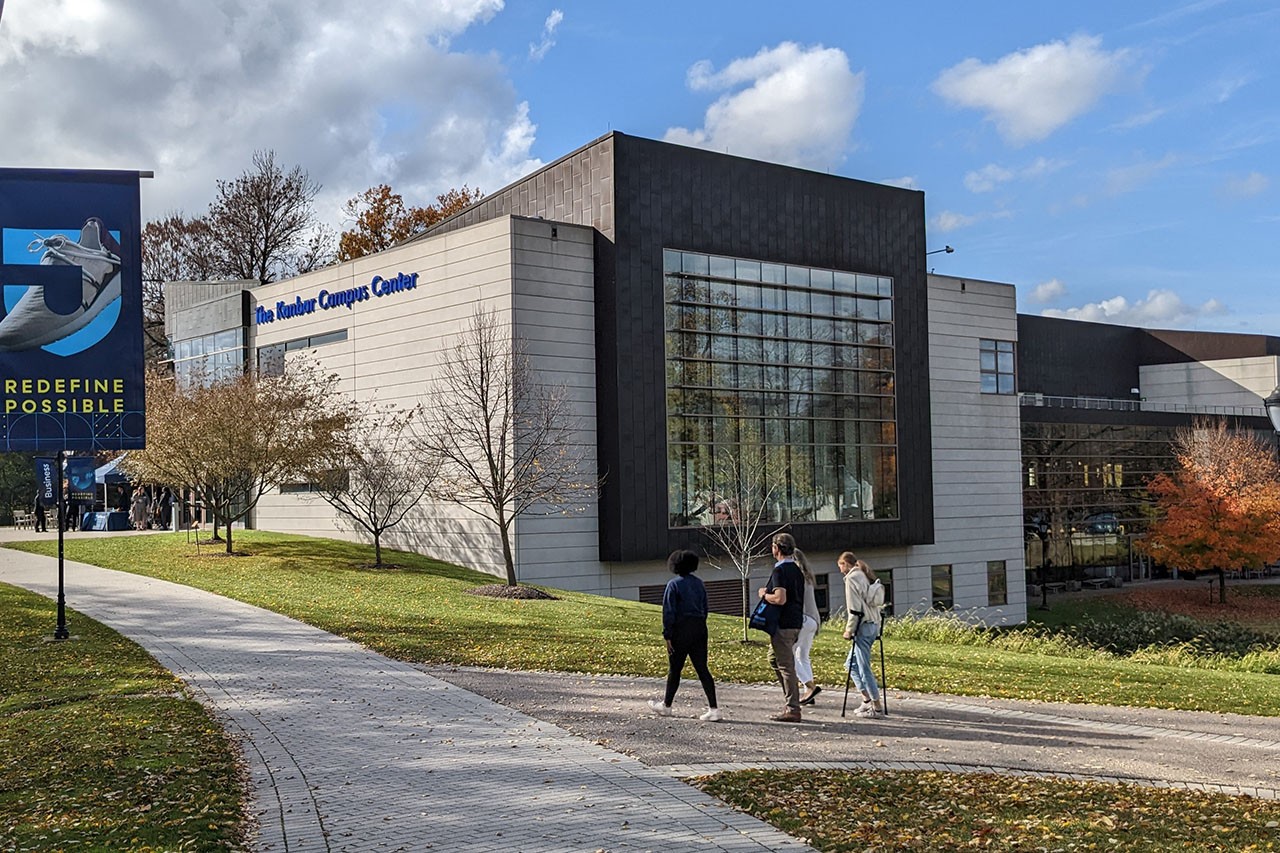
(1026, 398)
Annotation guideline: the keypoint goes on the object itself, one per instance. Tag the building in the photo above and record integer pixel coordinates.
(1100, 407)
(696, 306)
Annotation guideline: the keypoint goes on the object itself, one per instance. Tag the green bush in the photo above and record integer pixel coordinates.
(1140, 630)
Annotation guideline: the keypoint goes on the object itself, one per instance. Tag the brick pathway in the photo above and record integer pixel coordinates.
(351, 751)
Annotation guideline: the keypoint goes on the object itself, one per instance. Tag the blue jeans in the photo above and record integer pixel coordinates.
(858, 662)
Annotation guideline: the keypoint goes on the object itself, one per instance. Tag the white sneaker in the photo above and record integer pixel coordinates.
(660, 709)
(867, 710)
(712, 715)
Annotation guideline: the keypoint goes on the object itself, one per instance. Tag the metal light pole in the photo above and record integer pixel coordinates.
(1272, 404)
(61, 632)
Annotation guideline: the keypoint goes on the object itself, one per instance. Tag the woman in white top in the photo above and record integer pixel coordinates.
(862, 626)
(809, 630)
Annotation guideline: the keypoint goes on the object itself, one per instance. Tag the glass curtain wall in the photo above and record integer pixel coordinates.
(780, 392)
(211, 358)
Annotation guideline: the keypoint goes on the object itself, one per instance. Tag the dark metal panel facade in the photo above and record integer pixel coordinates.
(684, 198)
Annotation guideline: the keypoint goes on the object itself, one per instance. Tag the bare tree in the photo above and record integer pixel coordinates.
(375, 472)
(505, 441)
(231, 440)
(174, 248)
(263, 222)
(743, 507)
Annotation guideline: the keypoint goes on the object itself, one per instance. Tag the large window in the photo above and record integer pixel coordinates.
(995, 361)
(210, 358)
(780, 392)
(942, 596)
(997, 583)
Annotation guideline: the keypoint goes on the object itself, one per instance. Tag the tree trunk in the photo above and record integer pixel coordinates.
(1222, 586)
(377, 551)
(746, 609)
(228, 537)
(504, 527)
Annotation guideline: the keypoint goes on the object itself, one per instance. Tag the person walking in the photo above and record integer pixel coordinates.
(785, 591)
(41, 521)
(808, 631)
(684, 627)
(141, 510)
(864, 599)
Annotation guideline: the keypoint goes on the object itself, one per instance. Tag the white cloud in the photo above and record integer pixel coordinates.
(1031, 93)
(1159, 308)
(906, 182)
(1126, 179)
(987, 178)
(190, 88)
(949, 220)
(1048, 291)
(1254, 183)
(788, 104)
(539, 50)
(993, 175)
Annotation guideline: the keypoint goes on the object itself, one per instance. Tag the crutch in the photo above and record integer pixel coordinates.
(848, 675)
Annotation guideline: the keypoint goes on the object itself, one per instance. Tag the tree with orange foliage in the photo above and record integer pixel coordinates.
(382, 219)
(1221, 508)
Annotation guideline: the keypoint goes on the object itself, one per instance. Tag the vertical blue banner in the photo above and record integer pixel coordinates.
(71, 368)
(47, 480)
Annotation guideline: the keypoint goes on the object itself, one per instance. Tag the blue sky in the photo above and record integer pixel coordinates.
(1115, 161)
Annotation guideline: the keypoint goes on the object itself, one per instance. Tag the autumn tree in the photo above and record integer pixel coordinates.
(230, 440)
(1220, 508)
(174, 248)
(742, 500)
(507, 443)
(381, 218)
(374, 473)
(263, 223)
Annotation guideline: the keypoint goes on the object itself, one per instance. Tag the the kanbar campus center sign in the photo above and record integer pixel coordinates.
(71, 369)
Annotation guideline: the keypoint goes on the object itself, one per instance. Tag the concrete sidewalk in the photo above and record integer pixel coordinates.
(351, 751)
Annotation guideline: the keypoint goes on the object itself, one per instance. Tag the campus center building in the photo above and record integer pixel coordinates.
(701, 310)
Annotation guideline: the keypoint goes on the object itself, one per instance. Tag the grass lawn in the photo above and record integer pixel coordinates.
(100, 749)
(878, 811)
(423, 613)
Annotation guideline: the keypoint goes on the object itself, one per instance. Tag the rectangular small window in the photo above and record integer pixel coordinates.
(997, 583)
(942, 595)
(995, 363)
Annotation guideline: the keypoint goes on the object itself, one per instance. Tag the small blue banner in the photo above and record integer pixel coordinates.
(47, 480)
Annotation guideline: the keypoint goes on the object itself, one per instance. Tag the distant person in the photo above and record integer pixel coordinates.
(140, 512)
(37, 508)
(864, 599)
(684, 627)
(166, 508)
(808, 631)
(785, 590)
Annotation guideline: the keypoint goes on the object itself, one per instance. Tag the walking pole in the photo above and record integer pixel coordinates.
(848, 675)
(884, 685)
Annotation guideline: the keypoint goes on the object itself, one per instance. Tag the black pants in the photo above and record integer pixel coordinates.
(689, 640)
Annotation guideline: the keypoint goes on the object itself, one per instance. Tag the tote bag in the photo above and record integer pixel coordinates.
(765, 617)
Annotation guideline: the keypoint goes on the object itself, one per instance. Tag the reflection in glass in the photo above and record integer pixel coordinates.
(760, 376)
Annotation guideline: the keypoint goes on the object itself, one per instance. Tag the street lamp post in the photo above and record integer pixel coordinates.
(1272, 404)
(60, 632)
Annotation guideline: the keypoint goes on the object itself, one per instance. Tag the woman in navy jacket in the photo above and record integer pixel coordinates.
(684, 626)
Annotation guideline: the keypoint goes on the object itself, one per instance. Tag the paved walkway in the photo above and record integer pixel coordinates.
(352, 751)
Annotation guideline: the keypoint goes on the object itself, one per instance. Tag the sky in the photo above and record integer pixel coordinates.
(1117, 162)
